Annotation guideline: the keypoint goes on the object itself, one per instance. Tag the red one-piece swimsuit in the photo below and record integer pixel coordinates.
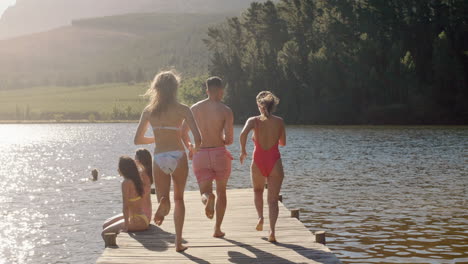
(264, 159)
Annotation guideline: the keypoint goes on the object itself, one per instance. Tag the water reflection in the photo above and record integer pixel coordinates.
(393, 195)
(385, 195)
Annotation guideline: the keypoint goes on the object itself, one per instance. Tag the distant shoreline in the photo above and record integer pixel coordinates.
(84, 121)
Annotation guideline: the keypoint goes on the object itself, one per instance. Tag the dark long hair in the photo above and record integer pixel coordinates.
(129, 170)
(144, 157)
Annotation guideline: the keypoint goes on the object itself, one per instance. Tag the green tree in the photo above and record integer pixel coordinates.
(346, 61)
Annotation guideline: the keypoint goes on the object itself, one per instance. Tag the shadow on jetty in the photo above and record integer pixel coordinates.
(155, 238)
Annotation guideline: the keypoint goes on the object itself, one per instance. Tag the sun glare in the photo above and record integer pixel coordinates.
(5, 4)
(14, 134)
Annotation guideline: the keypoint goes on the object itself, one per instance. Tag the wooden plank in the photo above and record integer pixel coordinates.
(242, 244)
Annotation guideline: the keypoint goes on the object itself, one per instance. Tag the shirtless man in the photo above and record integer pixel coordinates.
(212, 161)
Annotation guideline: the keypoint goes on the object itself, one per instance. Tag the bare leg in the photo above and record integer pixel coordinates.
(162, 183)
(275, 180)
(179, 178)
(112, 220)
(207, 196)
(114, 228)
(221, 203)
(258, 183)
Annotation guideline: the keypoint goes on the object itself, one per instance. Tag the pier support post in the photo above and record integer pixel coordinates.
(280, 198)
(110, 239)
(320, 237)
(295, 213)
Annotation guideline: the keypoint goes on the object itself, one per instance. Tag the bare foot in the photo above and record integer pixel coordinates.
(209, 206)
(219, 234)
(163, 210)
(272, 238)
(259, 226)
(158, 220)
(181, 248)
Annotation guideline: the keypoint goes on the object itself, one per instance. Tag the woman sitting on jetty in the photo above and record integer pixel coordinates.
(269, 132)
(165, 115)
(144, 164)
(134, 217)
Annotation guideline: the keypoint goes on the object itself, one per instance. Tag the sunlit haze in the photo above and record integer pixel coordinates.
(4, 4)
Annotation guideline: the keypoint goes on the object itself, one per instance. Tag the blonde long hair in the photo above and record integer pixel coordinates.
(268, 102)
(163, 91)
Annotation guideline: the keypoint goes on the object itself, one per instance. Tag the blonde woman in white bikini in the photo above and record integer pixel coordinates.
(165, 115)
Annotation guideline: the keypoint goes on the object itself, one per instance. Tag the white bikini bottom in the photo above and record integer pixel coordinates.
(167, 161)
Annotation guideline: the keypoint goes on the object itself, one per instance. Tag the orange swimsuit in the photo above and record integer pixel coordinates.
(265, 159)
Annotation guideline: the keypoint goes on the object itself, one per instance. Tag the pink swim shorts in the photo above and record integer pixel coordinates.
(212, 164)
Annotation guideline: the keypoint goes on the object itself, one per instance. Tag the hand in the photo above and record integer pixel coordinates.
(190, 149)
(195, 149)
(242, 157)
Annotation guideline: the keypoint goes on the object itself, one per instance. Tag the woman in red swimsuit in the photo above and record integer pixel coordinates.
(269, 133)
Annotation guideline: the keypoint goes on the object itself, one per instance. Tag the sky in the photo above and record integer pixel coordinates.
(4, 4)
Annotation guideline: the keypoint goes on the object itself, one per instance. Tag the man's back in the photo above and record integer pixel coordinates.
(215, 121)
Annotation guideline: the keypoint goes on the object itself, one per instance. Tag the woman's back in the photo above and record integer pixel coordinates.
(268, 132)
(166, 127)
(135, 201)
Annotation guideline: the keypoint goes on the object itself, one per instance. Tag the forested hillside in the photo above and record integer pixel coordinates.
(347, 61)
(126, 48)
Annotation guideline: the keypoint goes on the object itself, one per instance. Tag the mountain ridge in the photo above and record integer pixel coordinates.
(32, 16)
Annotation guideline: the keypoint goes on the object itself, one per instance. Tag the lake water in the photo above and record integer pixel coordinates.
(383, 194)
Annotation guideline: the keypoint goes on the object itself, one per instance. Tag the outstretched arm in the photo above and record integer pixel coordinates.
(140, 138)
(282, 139)
(192, 124)
(228, 127)
(249, 125)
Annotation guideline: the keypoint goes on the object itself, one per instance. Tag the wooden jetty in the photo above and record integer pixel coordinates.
(242, 243)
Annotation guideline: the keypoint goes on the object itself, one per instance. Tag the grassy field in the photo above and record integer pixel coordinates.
(102, 99)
